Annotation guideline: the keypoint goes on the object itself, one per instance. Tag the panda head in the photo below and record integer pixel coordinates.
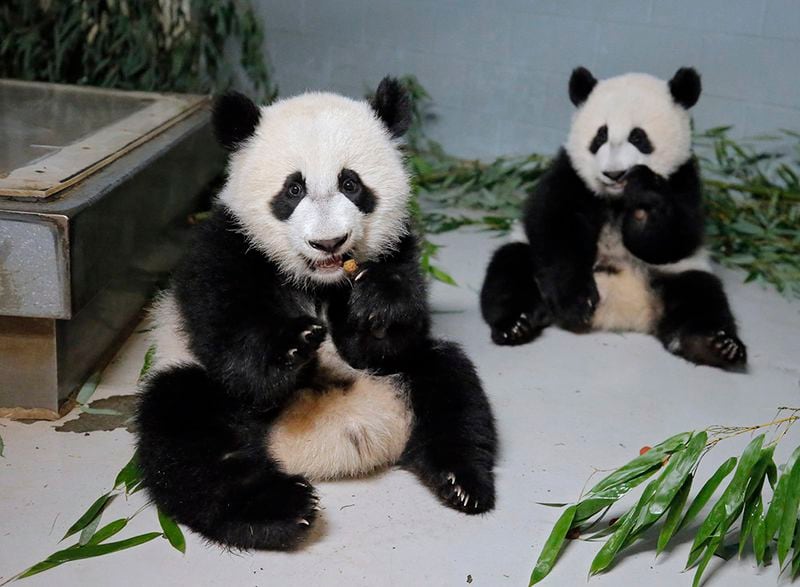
(317, 178)
(628, 120)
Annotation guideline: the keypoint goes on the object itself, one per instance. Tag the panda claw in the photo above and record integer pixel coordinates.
(303, 522)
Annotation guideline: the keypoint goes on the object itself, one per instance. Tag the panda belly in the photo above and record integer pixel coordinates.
(627, 299)
(350, 424)
(353, 425)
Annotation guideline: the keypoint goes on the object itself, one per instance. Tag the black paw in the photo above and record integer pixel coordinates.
(379, 302)
(729, 348)
(287, 507)
(720, 349)
(641, 177)
(302, 339)
(467, 490)
(575, 313)
(516, 331)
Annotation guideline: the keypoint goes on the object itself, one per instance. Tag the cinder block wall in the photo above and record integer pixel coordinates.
(498, 69)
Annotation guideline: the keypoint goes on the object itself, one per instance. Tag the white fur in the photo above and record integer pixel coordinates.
(167, 334)
(318, 134)
(623, 103)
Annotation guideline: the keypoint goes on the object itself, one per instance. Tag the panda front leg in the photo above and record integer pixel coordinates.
(697, 322)
(204, 462)
(511, 303)
(453, 443)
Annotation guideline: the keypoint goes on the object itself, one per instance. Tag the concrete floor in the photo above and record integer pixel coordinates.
(564, 404)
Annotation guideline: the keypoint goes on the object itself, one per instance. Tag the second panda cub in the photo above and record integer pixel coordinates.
(614, 229)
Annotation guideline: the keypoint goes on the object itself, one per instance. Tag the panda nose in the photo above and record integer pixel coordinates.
(329, 245)
(614, 175)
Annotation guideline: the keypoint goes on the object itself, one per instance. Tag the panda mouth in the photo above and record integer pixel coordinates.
(331, 263)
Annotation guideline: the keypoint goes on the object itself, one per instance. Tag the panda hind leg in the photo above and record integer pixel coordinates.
(453, 442)
(510, 299)
(204, 462)
(697, 323)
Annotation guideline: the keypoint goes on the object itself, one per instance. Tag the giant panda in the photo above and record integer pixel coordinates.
(613, 231)
(274, 366)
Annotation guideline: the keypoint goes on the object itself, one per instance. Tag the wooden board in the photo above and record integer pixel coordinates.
(71, 163)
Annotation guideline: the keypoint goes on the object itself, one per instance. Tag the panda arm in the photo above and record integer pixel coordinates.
(663, 219)
(243, 324)
(562, 222)
(385, 315)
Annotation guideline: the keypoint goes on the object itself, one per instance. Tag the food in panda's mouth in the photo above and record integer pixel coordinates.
(350, 267)
(613, 231)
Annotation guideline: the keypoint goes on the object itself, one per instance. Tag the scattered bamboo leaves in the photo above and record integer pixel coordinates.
(92, 540)
(740, 506)
(94, 511)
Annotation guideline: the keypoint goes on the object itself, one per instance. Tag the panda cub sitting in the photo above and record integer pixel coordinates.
(276, 367)
(615, 228)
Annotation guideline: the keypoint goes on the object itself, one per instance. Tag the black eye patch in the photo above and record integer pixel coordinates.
(291, 194)
(599, 139)
(351, 187)
(639, 139)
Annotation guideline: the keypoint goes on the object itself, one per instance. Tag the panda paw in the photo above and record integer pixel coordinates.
(301, 340)
(516, 331)
(719, 349)
(470, 491)
(576, 312)
(729, 348)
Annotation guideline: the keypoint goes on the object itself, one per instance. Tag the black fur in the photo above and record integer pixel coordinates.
(685, 87)
(234, 119)
(581, 84)
(353, 188)
(202, 429)
(392, 104)
(551, 280)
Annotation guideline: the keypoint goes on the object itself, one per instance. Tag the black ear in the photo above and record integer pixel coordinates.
(581, 84)
(685, 87)
(235, 119)
(393, 105)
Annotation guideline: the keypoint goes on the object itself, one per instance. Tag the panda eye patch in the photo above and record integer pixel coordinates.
(599, 139)
(639, 139)
(291, 194)
(351, 186)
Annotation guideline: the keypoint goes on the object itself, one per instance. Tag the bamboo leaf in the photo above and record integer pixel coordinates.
(713, 544)
(77, 552)
(732, 498)
(108, 531)
(675, 473)
(94, 511)
(790, 510)
(674, 513)
(89, 530)
(707, 491)
(553, 545)
(615, 543)
(776, 507)
(172, 532)
(129, 475)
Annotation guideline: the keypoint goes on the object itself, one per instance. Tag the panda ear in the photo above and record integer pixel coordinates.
(235, 119)
(685, 87)
(392, 104)
(581, 84)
